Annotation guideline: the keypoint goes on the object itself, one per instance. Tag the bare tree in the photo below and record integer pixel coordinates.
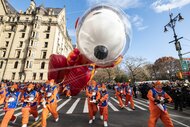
(133, 64)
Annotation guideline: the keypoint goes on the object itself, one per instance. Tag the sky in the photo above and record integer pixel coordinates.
(148, 18)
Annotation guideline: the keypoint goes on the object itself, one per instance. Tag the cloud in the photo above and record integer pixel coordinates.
(72, 32)
(165, 5)
(124, 4)
(137, 21)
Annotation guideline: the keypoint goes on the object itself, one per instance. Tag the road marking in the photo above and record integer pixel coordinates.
(112, 106)
(179, 116)
(58, 108)
(135, 105)
(118, 103)
(141, 103)
(15, 110)
(70, 111)
(180, 123)
(85, 110)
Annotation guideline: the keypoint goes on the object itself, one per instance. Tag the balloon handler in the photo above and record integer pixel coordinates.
(103, 104)
(119, 94)
(29, 99)
(11, 102)
(93, 96)
(49, 103)
(157, 100)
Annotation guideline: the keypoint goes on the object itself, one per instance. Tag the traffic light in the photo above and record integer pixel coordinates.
(179, 75)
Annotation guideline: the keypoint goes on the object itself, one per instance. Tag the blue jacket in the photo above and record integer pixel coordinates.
(16, 96)
(26, 95)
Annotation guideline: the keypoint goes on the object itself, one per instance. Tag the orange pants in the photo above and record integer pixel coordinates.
(129, 98)
(155, 114)
(26, 113)
(120, 100)
(104, 112)
(92, 108)
(9, 116)
(52, 108)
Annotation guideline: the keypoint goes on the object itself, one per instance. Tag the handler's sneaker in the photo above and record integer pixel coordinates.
(90, 121)
(36, 119)
(101, 117)
(94, 117)
(24, 125)
(14, 120)
(56, 120)
(105, 124)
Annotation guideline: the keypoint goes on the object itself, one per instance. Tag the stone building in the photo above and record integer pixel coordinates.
(27, 39)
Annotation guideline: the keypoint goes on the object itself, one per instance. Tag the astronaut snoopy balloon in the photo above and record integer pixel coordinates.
(103, 37)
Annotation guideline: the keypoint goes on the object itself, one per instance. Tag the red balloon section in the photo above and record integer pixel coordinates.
(70, 70)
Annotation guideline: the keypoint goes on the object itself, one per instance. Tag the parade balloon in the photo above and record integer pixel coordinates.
(103, 37)
(103, 34)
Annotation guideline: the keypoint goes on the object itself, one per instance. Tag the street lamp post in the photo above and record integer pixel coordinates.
(172, 24)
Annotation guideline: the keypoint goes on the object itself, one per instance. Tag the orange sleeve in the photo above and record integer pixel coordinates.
(98, 95)
(168, 97)
(87, 93)
(104, 98)
(150, 95)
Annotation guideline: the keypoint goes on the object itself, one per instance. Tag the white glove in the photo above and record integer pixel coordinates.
(30, 99)
(49, 94)
(44, 104)
(93, 93)
(129, 90)
(11, 99)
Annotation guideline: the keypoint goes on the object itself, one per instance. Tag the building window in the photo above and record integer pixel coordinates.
(6, 43)
(12, 28)
(3, 53)
(48, 28)
(20, 44)
(27, 63)
(30, 64)
(47, 36)
(1, 64)
(42, 65)
(18, 54)
(34, 76)
(25, 28)
(13, 75)
(16, 64)
(1, 18)
(44, 55)
(31, 43)
(29, 53)
(23, 35)
(45, 44)
(9, 35)
(41, 76)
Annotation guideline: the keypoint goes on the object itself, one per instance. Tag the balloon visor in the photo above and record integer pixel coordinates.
(103, 34)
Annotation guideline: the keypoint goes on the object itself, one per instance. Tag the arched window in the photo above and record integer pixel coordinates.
(42, 65)
(16, 64)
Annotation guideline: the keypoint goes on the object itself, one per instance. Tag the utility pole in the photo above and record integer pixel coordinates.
(172, 24)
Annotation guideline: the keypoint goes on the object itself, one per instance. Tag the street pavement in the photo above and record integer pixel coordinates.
(74, 113)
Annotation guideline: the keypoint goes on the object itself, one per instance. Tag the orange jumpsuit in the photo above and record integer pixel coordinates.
(119, 93)
(129, 96)
(11, 100)
(29, 105)
(50, 104)
(156, 112)
(104, 105)
(92, 99)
